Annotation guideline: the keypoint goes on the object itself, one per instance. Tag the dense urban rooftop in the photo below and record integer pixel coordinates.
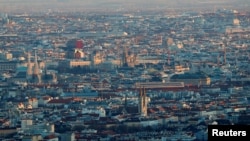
(123, 76)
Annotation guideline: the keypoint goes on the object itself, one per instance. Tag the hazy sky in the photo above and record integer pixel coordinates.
(33, 5)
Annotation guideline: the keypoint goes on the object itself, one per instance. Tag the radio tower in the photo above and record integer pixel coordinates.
(169, 43)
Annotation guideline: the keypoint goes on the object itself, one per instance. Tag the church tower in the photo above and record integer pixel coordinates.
(29, 68)
(36, 70)
(142, 107)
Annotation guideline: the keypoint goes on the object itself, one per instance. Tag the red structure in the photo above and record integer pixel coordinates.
(79, 44)
(77, 55)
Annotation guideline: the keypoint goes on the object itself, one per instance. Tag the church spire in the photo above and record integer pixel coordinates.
(29, 68)
(36, 71)
(36, 66)
(142, 107)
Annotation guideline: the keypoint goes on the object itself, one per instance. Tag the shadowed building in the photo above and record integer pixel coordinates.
(192, 78)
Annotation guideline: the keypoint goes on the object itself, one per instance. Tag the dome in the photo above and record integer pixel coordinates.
(21, 58)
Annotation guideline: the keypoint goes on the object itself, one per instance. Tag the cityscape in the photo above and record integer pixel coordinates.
(122, 71)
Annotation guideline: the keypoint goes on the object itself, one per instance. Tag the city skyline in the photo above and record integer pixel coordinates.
(114, 5)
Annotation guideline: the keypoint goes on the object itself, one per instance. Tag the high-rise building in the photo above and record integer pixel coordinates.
(125, 57)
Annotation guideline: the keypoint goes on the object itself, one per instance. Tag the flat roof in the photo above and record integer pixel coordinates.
(159, 84)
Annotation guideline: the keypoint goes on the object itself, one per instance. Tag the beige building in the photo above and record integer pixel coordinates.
(76, 63)
(6, 56)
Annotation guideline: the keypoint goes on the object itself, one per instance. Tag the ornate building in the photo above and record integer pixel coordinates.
(34, 73)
